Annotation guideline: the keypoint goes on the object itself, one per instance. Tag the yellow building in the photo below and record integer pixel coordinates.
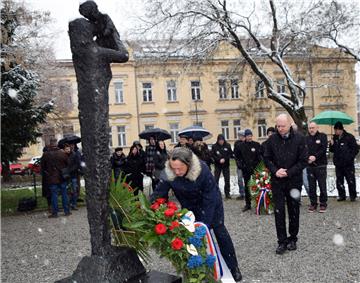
(222, 94)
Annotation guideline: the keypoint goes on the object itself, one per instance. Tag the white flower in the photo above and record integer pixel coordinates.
(191, 249)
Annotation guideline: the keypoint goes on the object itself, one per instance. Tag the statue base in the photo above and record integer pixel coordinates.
(154, 276)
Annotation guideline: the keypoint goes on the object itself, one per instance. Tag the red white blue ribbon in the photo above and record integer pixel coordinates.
(262, 200)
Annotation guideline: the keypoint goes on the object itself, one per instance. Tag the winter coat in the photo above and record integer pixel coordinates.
(74, 164)
(248, 156)
(221, 151)
(150, 153)
(317, 145)
(196, 191)
(134, 169)
(289, 153)
(117, 163)
(345, 150)
(52, 162)
(160, 158)
(202, 151)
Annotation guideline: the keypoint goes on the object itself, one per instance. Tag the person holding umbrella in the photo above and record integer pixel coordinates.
(345, 149)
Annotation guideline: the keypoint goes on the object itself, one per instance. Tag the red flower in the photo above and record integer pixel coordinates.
(177, 244)
(160, 229)
(174, 224)
(155, 206)
(169, 212)
(172, 205)
(161, 200)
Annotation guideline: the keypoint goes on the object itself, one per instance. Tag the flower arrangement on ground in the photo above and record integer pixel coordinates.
(174, 233)
(260, 188)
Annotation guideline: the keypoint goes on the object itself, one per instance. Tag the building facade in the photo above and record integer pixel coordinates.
(222, 94)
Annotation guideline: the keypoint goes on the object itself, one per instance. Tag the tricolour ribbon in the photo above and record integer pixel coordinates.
(262, 200)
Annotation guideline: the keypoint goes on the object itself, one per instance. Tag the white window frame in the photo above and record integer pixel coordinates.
(171, 90)
(237, 128)
(174, 131)
(225, 128)
(234, 88)
(195, 90)
(147, 92)
(260, 89)
(261, 125)
(222, 89)
(119, 92)
(281, 87)
(121, 133)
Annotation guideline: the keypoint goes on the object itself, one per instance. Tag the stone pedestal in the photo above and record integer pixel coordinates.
(154, 276)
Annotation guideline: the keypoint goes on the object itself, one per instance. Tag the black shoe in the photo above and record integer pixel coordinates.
(240, 198)
(79, 200)
(227, 197)
(291, 246)
(341, 199)
(246, 208)
(53, 216)
(74, 208)
(352, 199)
(235, 272)
(281, 249)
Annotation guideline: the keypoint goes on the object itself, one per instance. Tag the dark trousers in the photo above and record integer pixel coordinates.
(247, 177)
(226, 246)
(226, 174)
(317, 174)
(281, 195)
(348, 173)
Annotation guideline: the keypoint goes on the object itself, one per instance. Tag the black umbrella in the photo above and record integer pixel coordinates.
(195, 132)
(69, 140)
(157, 133)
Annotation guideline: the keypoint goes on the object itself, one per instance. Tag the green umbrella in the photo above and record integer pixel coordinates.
(330, 117)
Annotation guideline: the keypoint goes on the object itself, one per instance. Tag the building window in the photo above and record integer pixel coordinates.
(261, 128)
(147, 92)
(200, 124)
(171, 90)
(110, 137)
(260, 91)
(119, 93)
(234, 89)
(237, 128)
(148, 127)
(195, 90)
(222, 89)
(302, 83)
(121, 135)
(281, 87)
(174, 131)
(225, 129)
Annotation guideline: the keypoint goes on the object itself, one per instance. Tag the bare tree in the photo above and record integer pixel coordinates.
(256, 29)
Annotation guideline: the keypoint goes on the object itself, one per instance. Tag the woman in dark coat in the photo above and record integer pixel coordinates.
(134, 168)
(160, 158)
(195, 188)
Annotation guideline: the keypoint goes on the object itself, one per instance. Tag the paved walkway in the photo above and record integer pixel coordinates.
(37, 249)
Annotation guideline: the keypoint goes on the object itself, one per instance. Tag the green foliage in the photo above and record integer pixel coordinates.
(125, 212)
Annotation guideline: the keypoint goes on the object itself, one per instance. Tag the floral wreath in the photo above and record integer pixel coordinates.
(260, 189)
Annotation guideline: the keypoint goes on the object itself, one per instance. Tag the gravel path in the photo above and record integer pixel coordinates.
(38, 249)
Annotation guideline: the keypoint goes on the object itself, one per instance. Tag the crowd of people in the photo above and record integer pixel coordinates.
(293, 159)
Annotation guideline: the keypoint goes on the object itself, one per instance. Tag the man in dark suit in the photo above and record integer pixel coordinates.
(286, 156)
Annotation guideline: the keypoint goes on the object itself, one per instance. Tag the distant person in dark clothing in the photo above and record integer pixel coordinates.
(269, 132)
(221, 153)
(201, 149)
(117, 161)
(46, 193)
(150, 152)
(240, 175)
(316, 169)
(196, 190)
(160, 158)
(140, 149)
(53, 162)
(183, 142)
(345, 149)
(286, 156)
(249, 157)
(74, 171)
(135, 169)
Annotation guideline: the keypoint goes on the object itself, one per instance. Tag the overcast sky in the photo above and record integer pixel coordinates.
(122, 12)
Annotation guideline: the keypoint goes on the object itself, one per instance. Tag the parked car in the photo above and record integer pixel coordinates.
(34, 165)
(17, 168)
